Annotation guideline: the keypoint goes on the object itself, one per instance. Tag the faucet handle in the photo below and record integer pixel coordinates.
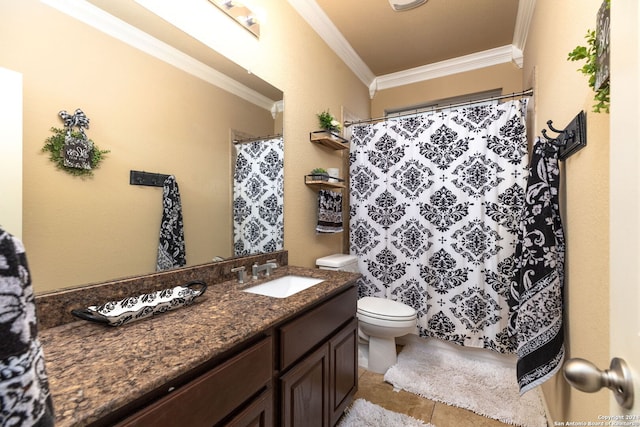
(242, 273)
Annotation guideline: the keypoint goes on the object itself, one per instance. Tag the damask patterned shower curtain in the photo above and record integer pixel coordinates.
(435, 201)
(258, 190)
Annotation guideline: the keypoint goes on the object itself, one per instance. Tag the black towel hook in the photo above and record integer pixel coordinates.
(570, 139)
(565, 137)
(147, 178)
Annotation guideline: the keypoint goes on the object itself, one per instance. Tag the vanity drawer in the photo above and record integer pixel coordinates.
(211, 397)
(305, 332)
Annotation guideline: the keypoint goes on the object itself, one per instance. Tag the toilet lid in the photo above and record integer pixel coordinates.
(382, 308)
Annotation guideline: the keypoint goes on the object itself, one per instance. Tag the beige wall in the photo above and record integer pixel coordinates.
(560, 93)
(507, 77)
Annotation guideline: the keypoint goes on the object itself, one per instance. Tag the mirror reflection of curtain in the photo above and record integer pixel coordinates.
(258, 194)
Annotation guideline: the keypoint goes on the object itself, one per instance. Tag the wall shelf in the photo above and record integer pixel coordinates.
(313, 181)
(329, 139)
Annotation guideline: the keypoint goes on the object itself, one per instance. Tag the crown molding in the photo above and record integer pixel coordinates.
(474, 61)
(118, 29)
(523, 22)
(320, 22)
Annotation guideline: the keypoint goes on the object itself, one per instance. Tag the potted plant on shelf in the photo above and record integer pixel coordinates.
(328, 122)
(319, 174)
(330, 133)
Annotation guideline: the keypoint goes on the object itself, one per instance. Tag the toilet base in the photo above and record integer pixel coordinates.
(382, 354)
(363, 355)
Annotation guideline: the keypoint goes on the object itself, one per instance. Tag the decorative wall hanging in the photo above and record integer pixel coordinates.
(70, 149)
(596, 52)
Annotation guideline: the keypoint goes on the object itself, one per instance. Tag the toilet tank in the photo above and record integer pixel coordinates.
(341, 262)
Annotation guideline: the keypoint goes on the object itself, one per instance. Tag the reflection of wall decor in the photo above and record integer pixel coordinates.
(70, 149)
(602, 45)
(596, 52)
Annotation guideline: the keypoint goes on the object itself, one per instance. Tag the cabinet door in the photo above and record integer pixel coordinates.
(343, 382)
(305, 391)
(302, 334)
(258, 414)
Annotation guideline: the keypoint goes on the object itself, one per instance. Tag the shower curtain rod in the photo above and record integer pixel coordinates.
(436, 107)
(257, 138)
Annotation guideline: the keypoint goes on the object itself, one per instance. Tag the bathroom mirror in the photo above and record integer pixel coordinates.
(153, 116)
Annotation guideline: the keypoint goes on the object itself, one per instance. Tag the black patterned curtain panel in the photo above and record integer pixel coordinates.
(258, 194)
(434, 206)
(537, 287)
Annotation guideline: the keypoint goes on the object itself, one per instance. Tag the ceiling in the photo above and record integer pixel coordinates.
(383, 46)
(389, 41)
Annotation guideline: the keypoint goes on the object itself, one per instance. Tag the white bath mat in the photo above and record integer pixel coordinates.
(481, 386)
(363, 413)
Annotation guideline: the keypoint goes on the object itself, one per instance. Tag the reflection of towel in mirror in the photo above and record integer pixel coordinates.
(171, 250)
(329, 212)
(24, 388)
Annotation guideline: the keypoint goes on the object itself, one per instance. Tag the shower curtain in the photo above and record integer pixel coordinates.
(258, 189)
(434, 206)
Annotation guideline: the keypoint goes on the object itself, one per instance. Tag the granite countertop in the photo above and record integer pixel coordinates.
(95, 369)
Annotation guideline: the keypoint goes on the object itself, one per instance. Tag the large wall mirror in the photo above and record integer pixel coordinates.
(154, 114)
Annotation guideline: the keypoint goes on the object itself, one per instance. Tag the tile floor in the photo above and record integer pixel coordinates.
(373, 388)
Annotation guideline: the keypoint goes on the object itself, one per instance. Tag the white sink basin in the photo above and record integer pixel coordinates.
(284, 286)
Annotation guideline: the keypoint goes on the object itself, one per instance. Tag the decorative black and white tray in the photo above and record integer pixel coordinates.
(116, 313)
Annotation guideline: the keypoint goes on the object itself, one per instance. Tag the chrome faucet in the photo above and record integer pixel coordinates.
(267, 268)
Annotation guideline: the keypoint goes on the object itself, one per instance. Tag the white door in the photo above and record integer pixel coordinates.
(11, 151)
(625, 194)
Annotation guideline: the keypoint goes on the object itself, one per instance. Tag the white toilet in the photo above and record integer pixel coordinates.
(380, 320)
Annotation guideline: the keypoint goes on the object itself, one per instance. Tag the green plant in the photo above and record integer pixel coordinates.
(328, 122)
(319, 171)
(590, 68)
(54, 144)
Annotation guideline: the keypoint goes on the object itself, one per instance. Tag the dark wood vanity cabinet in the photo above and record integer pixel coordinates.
(319, 363)
(303, 372)
(219, 393)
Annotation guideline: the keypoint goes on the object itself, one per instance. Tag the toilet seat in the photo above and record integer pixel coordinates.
(385, 309)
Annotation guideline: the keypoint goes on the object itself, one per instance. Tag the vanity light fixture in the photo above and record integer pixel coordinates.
(240, 13)
(402, 5)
